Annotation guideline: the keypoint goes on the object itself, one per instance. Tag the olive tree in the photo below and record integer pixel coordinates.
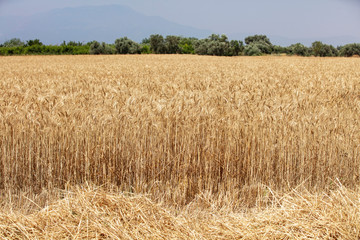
(172, 44)
(127, 46)
(252, 50)
(350, 50)
(323, 50)
(14, 42)
(298, 49)
(258, 42)
(157, 44)
(35, 42)
(96, 48)
(214, 45)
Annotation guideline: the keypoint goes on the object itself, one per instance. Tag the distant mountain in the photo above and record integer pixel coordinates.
(109, 22)
(101, 23)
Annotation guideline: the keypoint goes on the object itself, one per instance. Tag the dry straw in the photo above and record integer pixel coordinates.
(90, 213)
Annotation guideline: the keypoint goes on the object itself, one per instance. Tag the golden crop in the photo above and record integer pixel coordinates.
(176, 126)
(182, 128)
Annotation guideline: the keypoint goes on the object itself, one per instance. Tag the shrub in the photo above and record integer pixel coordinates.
(350, 50)
(252, 50)
(257, 38)
(127, 46)
(96, 48)
(157, 44)
(213, 45)
(261, 42)
(14, 42)
(108, 48)
(172, 44)
(323, 50)
(34, 42)
(145, 49)
(186, 45)
(298, 49)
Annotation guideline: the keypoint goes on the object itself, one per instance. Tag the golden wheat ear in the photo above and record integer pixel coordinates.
(194, 135)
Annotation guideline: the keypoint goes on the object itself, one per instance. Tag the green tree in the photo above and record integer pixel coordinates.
(257, 38)
(35, 49)
(157, 44)
(236, 47)
(252, 50)
(72, 43)
(145, 49)
(186, 45)
(35, 42)
(213, 45)
(200, 47)
(262, 43)
(145, 41)
(14, 42)
(71, 47)
(108, 49)
(350, 50)
(172, 44)
(298, 49)
(127, 46)
(316, 48)
(96, 48)
(218, 48)
(323, 50)
(280, 50)
(334, 51)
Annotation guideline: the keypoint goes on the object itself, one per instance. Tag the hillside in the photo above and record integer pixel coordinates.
(101, 23)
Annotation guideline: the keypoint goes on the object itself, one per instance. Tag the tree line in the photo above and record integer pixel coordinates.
(216, 45)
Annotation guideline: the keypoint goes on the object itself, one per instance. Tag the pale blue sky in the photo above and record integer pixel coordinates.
(286, 18)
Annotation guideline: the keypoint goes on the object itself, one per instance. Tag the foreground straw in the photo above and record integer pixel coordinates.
(92, 213)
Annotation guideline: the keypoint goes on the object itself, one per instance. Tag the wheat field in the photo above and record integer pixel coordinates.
(210, 147)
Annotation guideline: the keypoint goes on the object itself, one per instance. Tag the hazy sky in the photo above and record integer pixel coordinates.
(287, 18)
